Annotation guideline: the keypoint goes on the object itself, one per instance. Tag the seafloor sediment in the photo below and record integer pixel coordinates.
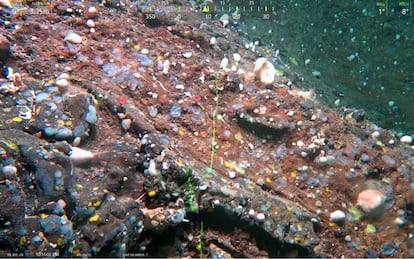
(127, 131)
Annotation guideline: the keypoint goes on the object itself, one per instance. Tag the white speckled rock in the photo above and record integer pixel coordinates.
(126, 124)
(63, 76)
(62, 82)
(225, 19)
(73, 38)
(371, 201)
(264, 71)
(9, 171)
(80, 156)
(337, 216)
(92, 10)
(90, 23)
(406, 139)
(260, 216)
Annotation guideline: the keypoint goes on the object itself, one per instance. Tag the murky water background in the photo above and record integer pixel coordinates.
(357, 53)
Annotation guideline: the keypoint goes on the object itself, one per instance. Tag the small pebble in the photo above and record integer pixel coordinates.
(90, 23)
(126, 124)
(370, 253)
(213, 40)
(53, 89)
(166, 67)
(9, 171)
(110, 69)
(76, 141)
(152, 111)
(388, 160)
(264, 70)
(236, 57)
(251, 212)
(337, 216)
(318, 204)
(175, 111)
(316, 73)
(406, 139)
(370, 200)
(80, 156)
(37, 239)
(152, 169)
(203, 188)
(58, 178)
(375, 134)
(187, 54)
(399, 221)
(281, 182)
(42, 96)
(63, 133)
(260, 216)
(232, 174)
(323, 160)
(144, 59)
(227, 133)
(224, 63)
(63, 76)
(370, 229)
(50, 131)
(62, 82)
(98, 60)
(389, 249)
(365, 158)
(225, 19)
(330, 160)
(50, 225)
(80, 130)
(402, 213)
(90, 116)
(92, 10)
(73, 38)
(94, 218)
(323, 116)
(348, 238)
(179, 87)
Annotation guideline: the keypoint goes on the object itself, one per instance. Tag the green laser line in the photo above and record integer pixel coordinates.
(213, 135)
(200, 243)
(190, 190)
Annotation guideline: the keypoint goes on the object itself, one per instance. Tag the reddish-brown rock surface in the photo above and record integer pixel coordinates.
(189, 157)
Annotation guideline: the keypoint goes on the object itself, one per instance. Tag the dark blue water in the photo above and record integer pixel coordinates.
(357, 53)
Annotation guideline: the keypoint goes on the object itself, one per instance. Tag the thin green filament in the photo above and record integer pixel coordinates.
(214, 123)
